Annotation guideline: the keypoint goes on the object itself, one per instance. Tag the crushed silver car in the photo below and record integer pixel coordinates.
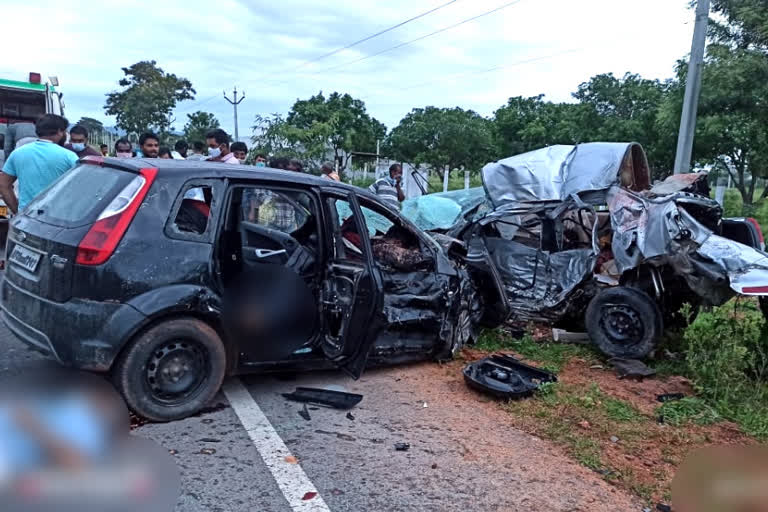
(579, 238)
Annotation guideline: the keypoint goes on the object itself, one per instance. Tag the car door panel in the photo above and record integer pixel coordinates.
(351, 299)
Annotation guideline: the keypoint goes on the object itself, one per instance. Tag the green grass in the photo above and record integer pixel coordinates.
(552, 356)
(621, 411)
(688, 410)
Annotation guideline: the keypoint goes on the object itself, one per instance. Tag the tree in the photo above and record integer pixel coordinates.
(525, 124)
(339, 123)
(442, 137)
(732, 115)
(742, 24)
(148, 97)
(91, 124)
(628, 110)
(198, 125)
(272, 135)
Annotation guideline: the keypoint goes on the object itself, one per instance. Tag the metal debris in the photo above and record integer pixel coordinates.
(326, 397)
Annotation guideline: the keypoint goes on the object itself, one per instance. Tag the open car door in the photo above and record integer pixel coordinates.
(352, 294)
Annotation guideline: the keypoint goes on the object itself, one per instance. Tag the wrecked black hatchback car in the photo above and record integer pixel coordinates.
(171, 275)
(580, 239)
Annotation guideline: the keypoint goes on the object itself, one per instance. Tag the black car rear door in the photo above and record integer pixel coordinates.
(352, 295)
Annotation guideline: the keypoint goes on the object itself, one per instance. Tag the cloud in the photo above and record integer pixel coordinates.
(262, 48)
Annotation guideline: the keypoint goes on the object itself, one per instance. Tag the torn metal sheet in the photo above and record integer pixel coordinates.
(663, 231)
(645, 229)
(747, 268)
(695, 182)
(537, 281)
(559, 172)
(504, 376)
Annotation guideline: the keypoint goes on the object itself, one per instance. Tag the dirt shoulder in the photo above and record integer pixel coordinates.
(616, 428)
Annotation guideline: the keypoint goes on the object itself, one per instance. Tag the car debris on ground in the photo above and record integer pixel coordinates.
(326, 397)
(631, 368)
(504, 376)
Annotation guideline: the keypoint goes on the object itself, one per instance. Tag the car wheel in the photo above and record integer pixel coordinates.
(624, 322)
(462, 333)
(172, 370)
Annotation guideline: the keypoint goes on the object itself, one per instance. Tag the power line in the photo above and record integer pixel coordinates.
(377, 34)
(439, 31)
(406, 43)
(197, 104)
(495, 68)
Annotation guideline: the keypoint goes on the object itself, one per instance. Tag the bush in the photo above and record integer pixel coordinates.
(727, 359)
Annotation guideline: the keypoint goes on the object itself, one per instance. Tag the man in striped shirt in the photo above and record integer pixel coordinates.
(388, 188)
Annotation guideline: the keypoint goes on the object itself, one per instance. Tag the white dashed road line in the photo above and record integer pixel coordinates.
(301, 494)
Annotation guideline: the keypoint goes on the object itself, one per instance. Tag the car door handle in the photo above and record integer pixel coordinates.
(266, 253)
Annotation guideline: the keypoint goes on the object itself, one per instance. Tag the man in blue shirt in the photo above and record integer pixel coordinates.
(38, 164)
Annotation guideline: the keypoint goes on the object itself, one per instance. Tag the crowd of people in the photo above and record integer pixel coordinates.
(33, 156)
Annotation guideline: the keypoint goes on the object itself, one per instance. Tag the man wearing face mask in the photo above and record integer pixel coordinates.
(37, 164)
(261, 160)
(78, 142)
(123, 149)
(218, 147)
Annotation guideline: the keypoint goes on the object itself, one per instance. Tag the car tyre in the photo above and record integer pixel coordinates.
(172, 370)
(463, 332)
(624, 322)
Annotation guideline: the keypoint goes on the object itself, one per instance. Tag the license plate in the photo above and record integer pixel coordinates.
(25, 258)
(3, 211)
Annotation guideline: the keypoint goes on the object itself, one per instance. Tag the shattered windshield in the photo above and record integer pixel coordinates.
(442, 210)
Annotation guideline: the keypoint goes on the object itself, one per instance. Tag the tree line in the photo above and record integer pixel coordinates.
(731, 135)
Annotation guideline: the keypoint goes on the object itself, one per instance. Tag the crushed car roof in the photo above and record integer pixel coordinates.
(559, 172)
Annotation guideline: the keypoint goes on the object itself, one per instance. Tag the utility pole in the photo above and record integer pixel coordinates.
(692, 90)
(234, 104)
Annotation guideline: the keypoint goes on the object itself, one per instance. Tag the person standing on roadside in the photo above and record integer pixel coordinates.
(388, 188)
(218, 147)
(240, 150)
(17, 135)
(328, 172)
(149, 144)
(78, 142)
(197, 152)
(123, 149)
(180, 150)
(36, 165)
(261, 160)
(104, 149)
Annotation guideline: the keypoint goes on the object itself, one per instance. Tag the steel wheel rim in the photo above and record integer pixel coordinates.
(622, 324)
(176, 371)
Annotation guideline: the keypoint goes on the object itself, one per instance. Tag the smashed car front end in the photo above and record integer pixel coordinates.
(678, 230)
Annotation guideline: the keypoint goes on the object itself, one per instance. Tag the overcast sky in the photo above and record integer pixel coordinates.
(527, 48)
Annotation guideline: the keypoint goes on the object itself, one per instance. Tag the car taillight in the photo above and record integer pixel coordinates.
(101, 240)
(759, 232)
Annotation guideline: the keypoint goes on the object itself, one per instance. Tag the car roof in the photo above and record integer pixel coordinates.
(204, 169)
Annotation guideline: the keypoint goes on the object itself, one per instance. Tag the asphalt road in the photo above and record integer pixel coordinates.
(461, 456)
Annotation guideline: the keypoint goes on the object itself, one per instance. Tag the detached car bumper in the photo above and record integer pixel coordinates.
(82, 334)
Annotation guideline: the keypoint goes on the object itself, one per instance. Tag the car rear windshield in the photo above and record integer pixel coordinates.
(79, 196)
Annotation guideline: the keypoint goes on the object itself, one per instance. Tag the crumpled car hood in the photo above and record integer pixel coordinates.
(559, 172)
(660, 230)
